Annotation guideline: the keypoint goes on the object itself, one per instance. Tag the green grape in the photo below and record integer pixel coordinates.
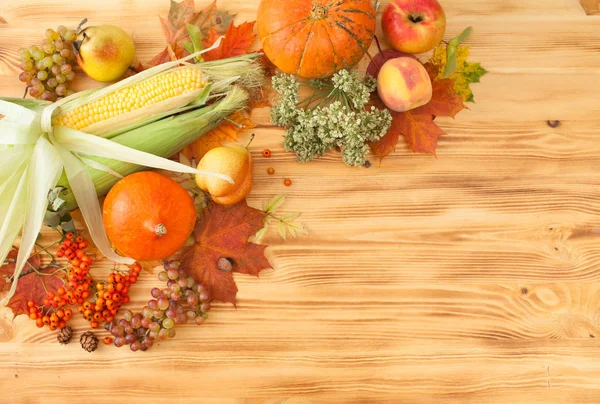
(57, 59)
(61, 90)
(70, 35)
(190, 282)
(66, 53)
(70, 76)
(162, 275)
(27, 65)
(38, 55)
(24, 54)
(171, 332)
(48, 62)
(61, 79)
(42, 75)
(61, 30)
(51, 34)
(59, 45)
(168, 323)
(48, 47)
(162, 334)
(66, 68)
(56, 70)
(33, 49)
(39, 65)
(51, 82)
(158, 314)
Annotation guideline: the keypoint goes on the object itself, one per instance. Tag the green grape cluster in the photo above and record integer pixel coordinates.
(183, 300)
(48, 70)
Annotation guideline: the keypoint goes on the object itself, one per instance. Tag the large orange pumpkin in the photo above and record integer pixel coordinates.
(148, 216)
(315, 38)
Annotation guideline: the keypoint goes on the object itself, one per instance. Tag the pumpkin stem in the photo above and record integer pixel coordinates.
(160, 230)
(318, 12)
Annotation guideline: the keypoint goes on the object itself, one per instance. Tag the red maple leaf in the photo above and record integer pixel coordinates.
(175, 30)
(223, 232)
(417, 125)
(32, 284)
(237, 41)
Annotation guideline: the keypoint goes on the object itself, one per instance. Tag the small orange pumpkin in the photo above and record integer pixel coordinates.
(148, 216)
(315, 38)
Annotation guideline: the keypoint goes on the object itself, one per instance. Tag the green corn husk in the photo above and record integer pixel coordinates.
(180, 130)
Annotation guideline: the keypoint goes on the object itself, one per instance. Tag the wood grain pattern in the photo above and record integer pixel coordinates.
(470, 278)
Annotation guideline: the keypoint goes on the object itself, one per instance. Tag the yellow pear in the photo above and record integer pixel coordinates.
(234, 161)
(104, 52)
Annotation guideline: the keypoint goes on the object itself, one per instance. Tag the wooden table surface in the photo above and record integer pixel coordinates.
(470, 278)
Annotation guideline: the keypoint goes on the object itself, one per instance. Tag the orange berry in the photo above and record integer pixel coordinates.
(70, 235)
(53, 318)
(39, 323)
(33, 316)
(87, 259)
(61, 291)
(94, 324)
(53, 327)
(50, 295)
(109, 319)
(67, 244)
(287, 182)
(107, 340)
(79, 253)
(126, 299)
(85, 294)
(271, 170)
(60, 313)
(106, 313)
(266, 153)
(81, 309)
(137, 268)
(87, 313)
(46, 320)
(119, 286)
(87, 305)
(83, 244)
(80, 300)
(79, 239)
(60, 253)
(68, 312)
(30, 303)
(62, 247)
(97, 316)
(114, 311)
(85, 266)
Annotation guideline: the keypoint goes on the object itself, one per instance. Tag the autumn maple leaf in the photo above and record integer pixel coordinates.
(33, 283)
(237, 41)
(223, 232)
(417, 125)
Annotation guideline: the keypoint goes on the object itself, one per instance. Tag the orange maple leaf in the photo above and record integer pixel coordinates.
(417, 125)
(237, 41)
(227, 131)
(223, 232)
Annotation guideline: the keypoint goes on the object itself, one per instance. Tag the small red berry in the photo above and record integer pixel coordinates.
(287, 182)
(266, 153)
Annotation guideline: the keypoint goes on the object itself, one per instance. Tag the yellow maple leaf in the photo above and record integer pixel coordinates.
(227, 131)
(465, 74)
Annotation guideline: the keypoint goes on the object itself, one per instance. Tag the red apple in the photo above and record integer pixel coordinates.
(414, 26)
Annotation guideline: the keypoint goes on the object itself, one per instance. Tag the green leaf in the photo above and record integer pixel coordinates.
(259, 234)
(196, 37)
(290, 217)
(188, 46)
(281, 229)
(275, 203)
(451, 57)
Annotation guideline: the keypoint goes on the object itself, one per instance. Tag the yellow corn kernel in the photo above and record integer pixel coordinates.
(148, 92)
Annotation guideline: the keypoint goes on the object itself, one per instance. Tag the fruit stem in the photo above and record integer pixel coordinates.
(78, 31)
(249, 141)
(160, 230)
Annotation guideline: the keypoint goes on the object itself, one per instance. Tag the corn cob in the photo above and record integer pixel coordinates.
(130, 103)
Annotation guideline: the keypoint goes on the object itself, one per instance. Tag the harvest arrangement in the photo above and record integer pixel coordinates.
(180, 114)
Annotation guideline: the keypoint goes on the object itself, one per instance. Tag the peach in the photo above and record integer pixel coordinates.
(414, 26)
(403, 84)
